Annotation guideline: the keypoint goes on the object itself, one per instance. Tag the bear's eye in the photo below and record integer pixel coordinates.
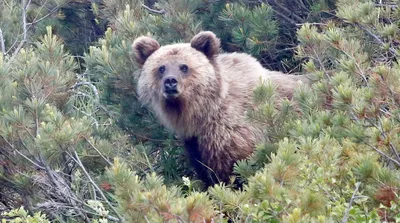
(161, 69)
(184, 68)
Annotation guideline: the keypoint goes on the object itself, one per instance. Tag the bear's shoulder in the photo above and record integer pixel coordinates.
(233, 60)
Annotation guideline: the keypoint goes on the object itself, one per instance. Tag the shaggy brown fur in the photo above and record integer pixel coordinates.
(208, 107)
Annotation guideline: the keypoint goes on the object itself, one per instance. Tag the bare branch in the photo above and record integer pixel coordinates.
(291, 21)
(376, 38)
(162, 11)
(38, 12)
(346, 215)
(24, 27)
(62, 188)
(76, 158)
(284, 10)
(95, 91)
(386, 156)
(303, 6)
(12, 46)
(2, 44)
(392, 147)
(45, 16)
(24, 9)
(21, 154)
(91, 144)
(393, 6)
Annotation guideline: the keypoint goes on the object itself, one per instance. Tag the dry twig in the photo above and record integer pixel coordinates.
(77, 160)
(25, 6)
(346, 215)
(162, 11)
(2, 44)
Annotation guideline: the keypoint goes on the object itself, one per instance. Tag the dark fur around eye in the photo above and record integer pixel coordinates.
(184, 68)
(161, 69)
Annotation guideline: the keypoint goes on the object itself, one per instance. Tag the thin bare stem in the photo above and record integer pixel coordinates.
(386, 156)
(391, 146)
(36, 20)
(296, 19)
(94, 89)
(162, 11)
(346, 215)
(2, 44)
(94, 147)
(376, 38)
(76, 158)
(25, 6)
(21, 154)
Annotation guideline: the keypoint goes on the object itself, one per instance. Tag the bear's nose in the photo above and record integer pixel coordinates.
(170, 84)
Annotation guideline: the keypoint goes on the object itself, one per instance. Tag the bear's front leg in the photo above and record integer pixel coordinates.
(194, 153)
(215, 152)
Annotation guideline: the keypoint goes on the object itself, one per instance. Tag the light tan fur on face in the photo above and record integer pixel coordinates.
(214, 99)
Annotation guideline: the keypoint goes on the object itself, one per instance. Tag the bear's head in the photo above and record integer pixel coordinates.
(179, 80)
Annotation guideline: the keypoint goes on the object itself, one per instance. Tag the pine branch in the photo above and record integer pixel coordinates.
(321, 64)
(361, 73)
(391, 146)
(63, 190)
(394, 150)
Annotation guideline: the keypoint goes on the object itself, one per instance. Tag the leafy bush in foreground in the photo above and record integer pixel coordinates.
(80, 148)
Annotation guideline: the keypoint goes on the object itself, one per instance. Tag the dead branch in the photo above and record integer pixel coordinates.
(94, 89)
(24, 27)
(45, 16)
(346, 215)
(376, 38)
(77, 160)
(285, 12)
(384, 155)
(94, 147)
(37, 165)
(2, 45)
(162, 11)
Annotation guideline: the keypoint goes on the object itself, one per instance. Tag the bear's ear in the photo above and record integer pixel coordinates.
(207, 43)
(143, 47)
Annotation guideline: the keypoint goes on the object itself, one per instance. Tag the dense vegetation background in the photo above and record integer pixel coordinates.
(77, 146)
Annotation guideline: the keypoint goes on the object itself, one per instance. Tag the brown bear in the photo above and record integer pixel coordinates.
(202, 95)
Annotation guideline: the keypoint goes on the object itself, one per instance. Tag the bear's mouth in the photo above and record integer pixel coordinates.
(170, 94)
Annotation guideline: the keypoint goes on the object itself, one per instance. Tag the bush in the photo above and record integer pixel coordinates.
(78, 146)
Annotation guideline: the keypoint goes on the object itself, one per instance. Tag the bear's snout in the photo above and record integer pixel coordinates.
(170, 84)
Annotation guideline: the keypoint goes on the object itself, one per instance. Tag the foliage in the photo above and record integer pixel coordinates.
(330, 155)
(265, 29)
(150, 200)
(46, 148)
(21, 215)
